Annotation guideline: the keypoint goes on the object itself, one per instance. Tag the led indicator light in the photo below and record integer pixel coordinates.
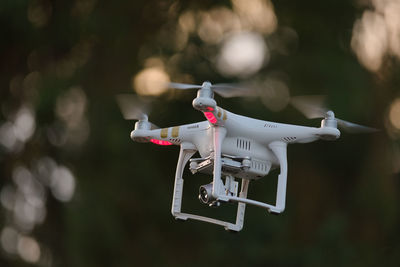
(210, 117)
(160, 142)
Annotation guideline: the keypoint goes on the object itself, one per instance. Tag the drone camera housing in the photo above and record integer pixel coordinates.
(205, 194)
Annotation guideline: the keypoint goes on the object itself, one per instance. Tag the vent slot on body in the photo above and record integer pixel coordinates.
(289, 138)
(260, 166)
(243, 144)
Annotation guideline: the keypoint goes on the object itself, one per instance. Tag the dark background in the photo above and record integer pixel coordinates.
(105, 200)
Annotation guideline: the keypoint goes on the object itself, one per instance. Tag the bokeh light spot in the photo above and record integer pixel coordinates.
(62, 184)
(7, 197)
(28, 249)
(39, 13)
(257, 15)
(71, 106)
(216, 23)
(242, 55)
(391, 12)
(369, 40)
(151, 81)
(25, 124)
(74, 128)
(9, 239)
(377, 34)
(275, 94)
(7, 136)
(187, 22)
(394, 114)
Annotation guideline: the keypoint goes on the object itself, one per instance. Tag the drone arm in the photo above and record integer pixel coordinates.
(279, 148)
(219, 134)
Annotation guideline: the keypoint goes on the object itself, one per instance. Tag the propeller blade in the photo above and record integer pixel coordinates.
(233, 90)
(183, 86)
(354, 128)
(224, 90)
(311, 106)
(131, 107)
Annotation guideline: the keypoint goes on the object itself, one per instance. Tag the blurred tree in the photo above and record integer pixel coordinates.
(76, 191)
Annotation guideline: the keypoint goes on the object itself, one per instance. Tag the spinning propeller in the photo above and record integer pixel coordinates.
(313, 107)
(133, 108)
(223, 89)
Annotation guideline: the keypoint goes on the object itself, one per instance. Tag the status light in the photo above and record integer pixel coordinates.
(160, 142)
(210, 117)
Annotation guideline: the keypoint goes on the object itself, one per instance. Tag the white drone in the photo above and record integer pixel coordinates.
(232, 147)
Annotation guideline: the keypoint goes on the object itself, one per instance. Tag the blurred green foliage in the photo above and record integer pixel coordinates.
(342, 202)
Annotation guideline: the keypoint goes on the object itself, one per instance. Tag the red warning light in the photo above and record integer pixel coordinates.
(160, 142)
(210, 117)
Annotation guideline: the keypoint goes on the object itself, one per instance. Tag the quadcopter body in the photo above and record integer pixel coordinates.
(232, 147)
